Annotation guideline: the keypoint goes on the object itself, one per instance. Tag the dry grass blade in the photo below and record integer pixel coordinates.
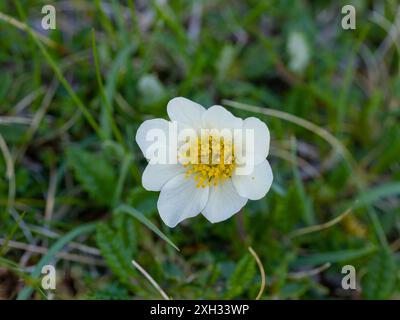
(151, 280)
(324, 134)
(9, 172)
(50, 200)
(22, 26)
(285, 155)
(319, 227)
(61, 255)
(27, 100)
(15, 120)
(309, 273)
(37, 118)
(262, 272)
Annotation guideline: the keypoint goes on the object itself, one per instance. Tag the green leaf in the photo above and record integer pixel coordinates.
(380, 280)
(375, 194)
(112, 78)
(332, 257)
(305, 201)
(138, 215)
(115, 255)
(126, 233)
(241, 277)
(96, 175)
(111, 292)
(225, 61)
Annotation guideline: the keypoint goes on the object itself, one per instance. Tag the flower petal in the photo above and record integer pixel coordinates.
(260, 148)
(255, 185)
(144, 134)
(217, 117)
(185, 112)
(156, 175)
(223, 202)
(181, 199)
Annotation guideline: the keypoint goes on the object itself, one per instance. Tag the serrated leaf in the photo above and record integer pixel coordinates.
(113, 254)
(96, 175)
(112, 292)
(241, 277)
(380, 280)
(126, 234)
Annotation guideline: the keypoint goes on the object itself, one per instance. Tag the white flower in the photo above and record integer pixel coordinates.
(206, 176)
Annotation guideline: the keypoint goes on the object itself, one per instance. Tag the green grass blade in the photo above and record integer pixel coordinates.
(138, 215)
(375, 194)
(122, 177)
(332, 257)
(3, 248)
(56, 247)
(60, 76)
(109, 116)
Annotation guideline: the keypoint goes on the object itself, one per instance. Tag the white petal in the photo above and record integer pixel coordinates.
(181, 199)
(223, 202)
(255, 185)
(144, 132)
(156, 175)
(260, 148)
(218, 117)
(185, 112)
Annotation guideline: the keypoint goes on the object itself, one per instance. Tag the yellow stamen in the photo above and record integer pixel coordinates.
(210, 161)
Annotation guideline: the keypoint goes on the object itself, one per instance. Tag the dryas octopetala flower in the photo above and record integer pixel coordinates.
(204, 161)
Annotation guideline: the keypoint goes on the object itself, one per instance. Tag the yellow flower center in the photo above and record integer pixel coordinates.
(209, 160)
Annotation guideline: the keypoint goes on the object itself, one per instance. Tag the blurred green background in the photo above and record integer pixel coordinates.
(71, 100)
